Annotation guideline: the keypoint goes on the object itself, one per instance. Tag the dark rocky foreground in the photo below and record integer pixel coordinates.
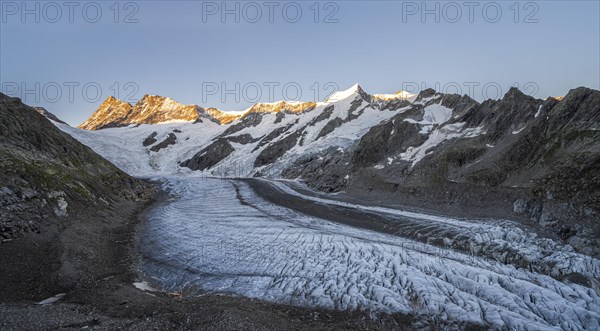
(68, 224)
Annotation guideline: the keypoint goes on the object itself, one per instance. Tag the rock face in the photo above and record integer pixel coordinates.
(210, 156)
(282, 106)
(277, 149)
(170, 140)
(151, 109)
(217, 115)
(46, 176)
(537, 158)
(150, 140)
(111, 113)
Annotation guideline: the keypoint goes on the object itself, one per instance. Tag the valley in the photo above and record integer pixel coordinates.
(221, 236)
(419, 211)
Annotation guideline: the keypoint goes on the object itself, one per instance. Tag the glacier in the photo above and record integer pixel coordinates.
(219, 236)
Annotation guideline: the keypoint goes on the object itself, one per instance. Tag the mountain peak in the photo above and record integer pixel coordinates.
(515, 94)
(150, 109)
(111, 112)
(426, 94)
(353, 91)
(580, 98)
(578, 91)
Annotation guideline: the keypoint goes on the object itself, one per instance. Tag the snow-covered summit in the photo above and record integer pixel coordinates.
(353, 91)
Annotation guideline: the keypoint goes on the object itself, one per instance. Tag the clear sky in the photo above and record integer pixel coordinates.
(187, 50)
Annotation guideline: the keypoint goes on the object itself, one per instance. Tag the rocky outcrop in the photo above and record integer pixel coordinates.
(150, 140)
(170, 140)
(209, 156)
(272, 136)
(325, 114)
(277, 149)
(248, 120)
(326, 171)
(242, 139)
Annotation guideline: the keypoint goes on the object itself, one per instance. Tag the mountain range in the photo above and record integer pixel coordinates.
(517, 157)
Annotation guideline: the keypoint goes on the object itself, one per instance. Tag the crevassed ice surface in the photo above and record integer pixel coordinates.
(219, 236)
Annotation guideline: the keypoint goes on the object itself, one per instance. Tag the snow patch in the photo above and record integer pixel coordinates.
(539, 111)
(61, 207)
(144, 286)
(518, 130)
(441, 134)
(433, 115)
(53, 299)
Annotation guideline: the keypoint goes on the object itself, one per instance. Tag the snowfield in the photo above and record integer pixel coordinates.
(219, 236)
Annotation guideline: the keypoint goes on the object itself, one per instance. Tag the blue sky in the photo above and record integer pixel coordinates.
(185, 50)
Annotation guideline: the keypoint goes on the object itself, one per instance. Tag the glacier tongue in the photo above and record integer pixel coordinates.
(219, 236)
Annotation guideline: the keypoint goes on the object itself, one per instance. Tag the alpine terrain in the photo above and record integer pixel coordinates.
(518, 157)
(423, 211)
(200, 165)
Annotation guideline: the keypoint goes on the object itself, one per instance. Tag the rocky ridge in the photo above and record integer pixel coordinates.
(48, 115)
(150, 109)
